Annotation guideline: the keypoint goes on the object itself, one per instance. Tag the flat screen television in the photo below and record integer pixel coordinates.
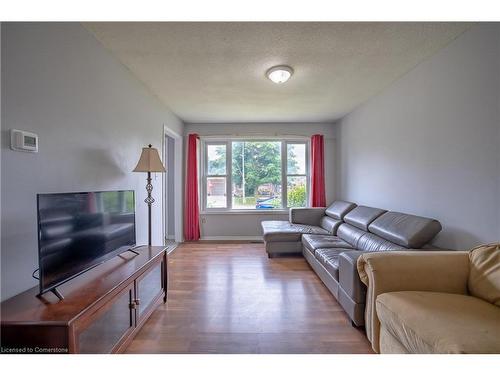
(78, 231)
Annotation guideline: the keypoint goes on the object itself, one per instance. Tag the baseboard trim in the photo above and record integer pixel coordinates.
(231, 238)
(172, 247)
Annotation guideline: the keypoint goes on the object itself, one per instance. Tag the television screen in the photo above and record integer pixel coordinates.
(77, 231)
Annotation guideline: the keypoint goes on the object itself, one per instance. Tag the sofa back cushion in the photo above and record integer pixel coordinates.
(405, 230)
(330, 224)
(350, 234)
(362, 216)
(365, 241)
(338, 209)
(484, 274)
(372, 242)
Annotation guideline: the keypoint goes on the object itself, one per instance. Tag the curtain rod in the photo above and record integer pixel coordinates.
(264, 135)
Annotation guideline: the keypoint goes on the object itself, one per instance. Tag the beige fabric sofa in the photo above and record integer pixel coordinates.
(433, 302)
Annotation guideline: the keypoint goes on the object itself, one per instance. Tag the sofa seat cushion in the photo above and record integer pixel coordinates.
(431, 322)
(284, 231)
(329, 258)
(316, 241)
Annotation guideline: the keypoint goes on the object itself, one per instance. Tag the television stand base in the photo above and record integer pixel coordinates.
(57, 293)
(53, 290)
(133, 251)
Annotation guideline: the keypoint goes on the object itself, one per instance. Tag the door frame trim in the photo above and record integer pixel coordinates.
(178, 193)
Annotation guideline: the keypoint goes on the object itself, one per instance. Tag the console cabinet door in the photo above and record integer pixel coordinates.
(109, 326)
(148, 290)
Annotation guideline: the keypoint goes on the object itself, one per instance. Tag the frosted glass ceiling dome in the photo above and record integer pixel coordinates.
(279, 74)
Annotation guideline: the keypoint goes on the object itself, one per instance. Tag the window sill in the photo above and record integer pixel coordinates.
(246, 212)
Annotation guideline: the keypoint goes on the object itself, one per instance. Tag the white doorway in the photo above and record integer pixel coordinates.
(172, 187)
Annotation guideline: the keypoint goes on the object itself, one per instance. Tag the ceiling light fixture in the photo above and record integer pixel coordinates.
(279, 74)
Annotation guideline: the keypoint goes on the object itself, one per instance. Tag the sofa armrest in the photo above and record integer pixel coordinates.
(434, 271)
(307, 216)
(348, 275)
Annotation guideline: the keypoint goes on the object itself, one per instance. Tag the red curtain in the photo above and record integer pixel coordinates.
(318, 198)
(191, 208)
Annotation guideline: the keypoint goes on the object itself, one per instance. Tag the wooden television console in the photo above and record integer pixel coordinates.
(102, 310)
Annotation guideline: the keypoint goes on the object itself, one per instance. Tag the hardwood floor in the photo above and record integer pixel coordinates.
(230, 298)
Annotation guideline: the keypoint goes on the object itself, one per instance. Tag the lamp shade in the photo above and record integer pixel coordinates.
(149, 161)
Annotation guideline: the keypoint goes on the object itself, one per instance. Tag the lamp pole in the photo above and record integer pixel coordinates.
(149, 200)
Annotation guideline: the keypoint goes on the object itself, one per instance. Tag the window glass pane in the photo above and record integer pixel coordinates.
(256, 175)
(216, 159)
(296, 158)
(111, 201)
(296, 191)
(129, 201)
(216, 192)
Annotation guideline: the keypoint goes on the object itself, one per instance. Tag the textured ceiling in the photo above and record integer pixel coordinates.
(215, 72)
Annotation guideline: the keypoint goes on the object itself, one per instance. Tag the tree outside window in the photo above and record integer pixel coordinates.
(257, 169)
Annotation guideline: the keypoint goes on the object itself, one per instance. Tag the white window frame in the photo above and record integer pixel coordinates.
(284, 170)
(206, 141)
(206, 175)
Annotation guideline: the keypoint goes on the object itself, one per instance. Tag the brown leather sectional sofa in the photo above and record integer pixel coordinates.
(331, 239)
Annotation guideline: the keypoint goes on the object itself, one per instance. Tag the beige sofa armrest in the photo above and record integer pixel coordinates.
(308, 216)
(437, 271)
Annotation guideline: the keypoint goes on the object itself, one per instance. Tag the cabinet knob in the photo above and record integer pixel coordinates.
(132, 305)
(137, 301)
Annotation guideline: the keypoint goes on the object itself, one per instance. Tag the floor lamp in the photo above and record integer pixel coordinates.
(149, 162)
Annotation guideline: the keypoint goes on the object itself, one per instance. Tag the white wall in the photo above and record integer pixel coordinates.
(430, 143)
(247, 225)
(92, 117)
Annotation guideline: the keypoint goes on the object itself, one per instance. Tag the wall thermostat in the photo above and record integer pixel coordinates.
(23, 141)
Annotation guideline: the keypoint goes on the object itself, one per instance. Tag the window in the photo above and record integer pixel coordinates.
(116, 201)
(296, 176)
(255, 174)
(216, 186)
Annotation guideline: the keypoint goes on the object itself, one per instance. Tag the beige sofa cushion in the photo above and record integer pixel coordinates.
(484, 276)
(389, 344)
(431, 322)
